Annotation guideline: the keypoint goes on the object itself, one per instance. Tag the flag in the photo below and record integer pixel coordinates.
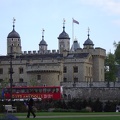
(75, 21)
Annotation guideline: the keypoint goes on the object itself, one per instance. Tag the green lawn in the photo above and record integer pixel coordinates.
(93, 118)
(70, 116)
(69, 113)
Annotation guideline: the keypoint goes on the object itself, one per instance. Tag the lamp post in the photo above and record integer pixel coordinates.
(11, 73)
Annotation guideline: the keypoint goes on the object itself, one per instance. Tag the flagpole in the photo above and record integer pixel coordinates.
(73, 21)
(72, 31)
(72, 34)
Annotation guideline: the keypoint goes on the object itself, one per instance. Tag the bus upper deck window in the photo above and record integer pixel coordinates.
(14, 90)
(22, 90)
(44, 90)
(57, 89)
(26, 90)
(35, 90)
(48, 90)
(40, 90)
(53, 90)
(17, 91)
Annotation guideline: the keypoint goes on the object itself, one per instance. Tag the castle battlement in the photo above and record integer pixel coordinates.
(93, 51)
(40, 52)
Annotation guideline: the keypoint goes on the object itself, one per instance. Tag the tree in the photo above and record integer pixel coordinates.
(117, 52)
(110, 67)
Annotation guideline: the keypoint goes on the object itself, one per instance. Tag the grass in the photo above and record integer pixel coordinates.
(69, 113)
(70, 116)
(93, 118)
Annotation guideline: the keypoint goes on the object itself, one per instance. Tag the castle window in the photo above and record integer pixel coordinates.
(75, 69)
(86, 70)
(75, 79)
(38, 77)
(65, 79)
(1, 70)
(21, 80)
(89, 71)
(20, 70)
(65, 69)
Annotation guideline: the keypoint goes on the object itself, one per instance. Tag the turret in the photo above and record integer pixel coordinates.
(88, 43)
(43, 44)
(13, 42)
(64, 40)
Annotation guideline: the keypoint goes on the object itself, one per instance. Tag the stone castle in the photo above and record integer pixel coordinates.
(46, 67)
(79, 70)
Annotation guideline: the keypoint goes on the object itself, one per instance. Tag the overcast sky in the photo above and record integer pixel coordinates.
(101, 16)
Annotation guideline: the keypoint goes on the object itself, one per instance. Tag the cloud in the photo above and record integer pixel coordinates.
(110, 6)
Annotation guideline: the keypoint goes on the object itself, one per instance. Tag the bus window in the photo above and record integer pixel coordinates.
(22, 90)
(40, 90)
(31, 90)
(44, 90)
(35, 90)
(26, 90)
(48, 90)
(57, 89)
(13, 90)
(53, 90)
(17, 90)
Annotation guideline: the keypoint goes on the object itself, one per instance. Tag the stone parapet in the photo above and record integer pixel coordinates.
(96, 84)
(104, 94)
(39, 52)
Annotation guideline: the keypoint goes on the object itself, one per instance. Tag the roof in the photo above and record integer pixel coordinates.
(77, 55)
(63, 35)
(43, 42)
(13, 34)
(75, 45)
(88, 41)
(46, 56)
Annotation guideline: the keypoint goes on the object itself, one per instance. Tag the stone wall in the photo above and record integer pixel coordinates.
(94, 90)
(93, 93)
(91, 84)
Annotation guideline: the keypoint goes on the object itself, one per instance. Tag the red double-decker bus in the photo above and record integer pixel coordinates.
(38, 92)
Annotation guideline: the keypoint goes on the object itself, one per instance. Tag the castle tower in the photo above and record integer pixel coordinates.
(64, 40)
(13, 42)
(43, 44)
(98, 58)
(88, 43)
